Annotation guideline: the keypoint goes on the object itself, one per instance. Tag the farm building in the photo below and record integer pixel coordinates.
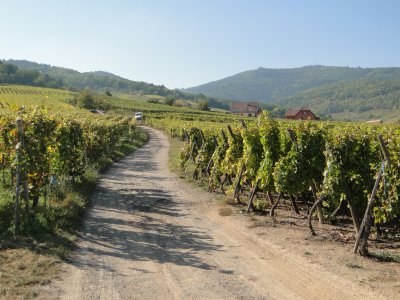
(251, 109)
(303, 113)
(375, 121)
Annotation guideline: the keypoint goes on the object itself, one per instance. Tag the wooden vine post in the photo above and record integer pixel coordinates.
(231, 133)
(237, 187)
(21, 139)
(17, 190)
(18, 175)
(365, 227)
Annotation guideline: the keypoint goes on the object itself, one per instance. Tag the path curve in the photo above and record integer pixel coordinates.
(151, 236)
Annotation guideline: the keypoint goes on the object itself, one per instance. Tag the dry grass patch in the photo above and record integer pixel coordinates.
(225, 211)
(20, 269)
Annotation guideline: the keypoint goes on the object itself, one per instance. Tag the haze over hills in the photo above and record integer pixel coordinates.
(342, 93)
(97, 81)
(31, 73)
(327, 90)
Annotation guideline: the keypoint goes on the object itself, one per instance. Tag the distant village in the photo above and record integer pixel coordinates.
(253, 109)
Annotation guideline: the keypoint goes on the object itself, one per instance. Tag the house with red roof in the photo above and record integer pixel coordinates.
(303, 113)
(250, 109)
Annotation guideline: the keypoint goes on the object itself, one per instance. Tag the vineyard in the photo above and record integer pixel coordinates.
(321, 169)
(324, 169)
(52, 153)
(14, 96)
(48, 149)
(55, 148)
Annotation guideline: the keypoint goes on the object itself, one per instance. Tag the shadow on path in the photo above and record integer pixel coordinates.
(135, 218)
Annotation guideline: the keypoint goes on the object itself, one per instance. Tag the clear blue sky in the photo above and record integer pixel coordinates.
(183, 43)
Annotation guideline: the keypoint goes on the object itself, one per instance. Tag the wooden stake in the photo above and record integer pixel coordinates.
(365, 227)
(366, 220)
(21, 139)
(237, 188)
(17, 190)
(231, 133)
(353, 212)
(253, 193)
(294, 204)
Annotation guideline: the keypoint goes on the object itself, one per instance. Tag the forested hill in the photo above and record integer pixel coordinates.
(273, 85)
(356, 96)
(11, 74)
(97, 81)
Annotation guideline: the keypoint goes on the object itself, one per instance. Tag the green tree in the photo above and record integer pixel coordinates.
(170, 100)
(85, 100)
(203, 105)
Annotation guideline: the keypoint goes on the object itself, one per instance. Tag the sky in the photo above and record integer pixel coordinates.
(184, 43)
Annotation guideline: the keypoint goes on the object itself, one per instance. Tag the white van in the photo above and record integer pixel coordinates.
(139, 116)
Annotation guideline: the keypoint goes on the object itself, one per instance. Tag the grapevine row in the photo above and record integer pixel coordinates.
(54, 148)
(306, 161)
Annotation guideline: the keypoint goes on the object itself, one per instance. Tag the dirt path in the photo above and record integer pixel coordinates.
(151, 236)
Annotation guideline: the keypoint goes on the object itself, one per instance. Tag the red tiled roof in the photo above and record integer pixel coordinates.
(293, 112)
(245, 107)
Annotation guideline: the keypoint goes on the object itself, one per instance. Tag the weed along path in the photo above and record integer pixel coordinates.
(150, 235)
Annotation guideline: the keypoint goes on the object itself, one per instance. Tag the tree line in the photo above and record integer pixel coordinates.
(11, 74)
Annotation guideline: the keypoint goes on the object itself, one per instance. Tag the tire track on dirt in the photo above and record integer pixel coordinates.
(151, 236)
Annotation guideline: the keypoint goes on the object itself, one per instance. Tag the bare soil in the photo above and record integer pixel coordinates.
(151, 235)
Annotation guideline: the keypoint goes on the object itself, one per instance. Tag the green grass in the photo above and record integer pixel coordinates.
(353, 266)
(386, 256)
(175, 148)
(387, 115)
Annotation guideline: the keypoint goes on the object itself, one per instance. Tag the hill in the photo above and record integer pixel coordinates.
(97, 81)
(11, 74)
(100, 81)
(326, 90)
(271, 85)
(356, 95)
